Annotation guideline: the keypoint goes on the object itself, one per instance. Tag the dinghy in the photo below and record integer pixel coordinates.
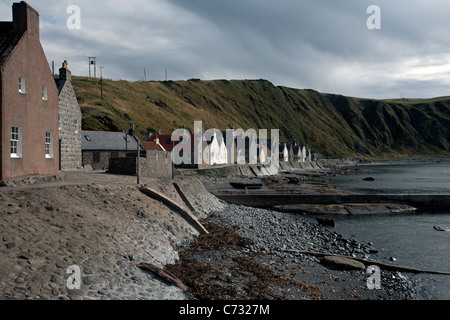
(438, 228)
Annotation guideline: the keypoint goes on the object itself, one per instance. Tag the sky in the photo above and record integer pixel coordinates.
(332, 46)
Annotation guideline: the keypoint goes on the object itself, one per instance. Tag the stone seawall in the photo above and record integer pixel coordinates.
(156, 165)
(260, 170)
(432, 202)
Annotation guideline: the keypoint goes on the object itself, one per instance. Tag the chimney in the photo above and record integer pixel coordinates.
(25, 18)
(64, 72)
(132, 130)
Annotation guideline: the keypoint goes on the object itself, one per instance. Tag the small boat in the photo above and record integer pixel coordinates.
(438, 228)
(241, 185)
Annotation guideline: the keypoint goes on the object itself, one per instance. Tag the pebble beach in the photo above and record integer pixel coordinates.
(106, 226)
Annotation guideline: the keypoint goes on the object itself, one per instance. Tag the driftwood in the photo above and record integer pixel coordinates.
(184, 198)
(163, 274)
(188, 216)
(369, 262)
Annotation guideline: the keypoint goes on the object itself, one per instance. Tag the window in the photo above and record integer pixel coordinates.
(60, 121)
(75, 122)
(16, 142)
(49, 144)
(44, 92)
(22, 84)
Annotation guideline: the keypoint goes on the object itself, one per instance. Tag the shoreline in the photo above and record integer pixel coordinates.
(266, 234)
(412, 160)
(104, 224)
(247, 230)
(308, 190)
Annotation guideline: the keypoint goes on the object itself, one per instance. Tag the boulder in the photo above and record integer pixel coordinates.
(342, 263)
(326, 221)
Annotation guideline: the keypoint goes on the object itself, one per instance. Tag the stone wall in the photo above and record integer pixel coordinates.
(69, 122)
(123, 165)
(157, 165)
(99, 160)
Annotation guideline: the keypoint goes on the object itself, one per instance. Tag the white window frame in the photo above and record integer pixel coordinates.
(16, 141)
(48, 144)
(44, 92)
(22, 84)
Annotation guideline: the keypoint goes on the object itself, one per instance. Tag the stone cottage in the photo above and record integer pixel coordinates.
(98, 147)
(28, 100)
(69, 121)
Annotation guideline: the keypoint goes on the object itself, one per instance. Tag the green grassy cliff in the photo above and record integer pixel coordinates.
(332, 125)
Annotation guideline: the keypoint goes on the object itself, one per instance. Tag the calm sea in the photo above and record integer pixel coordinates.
(410, 238)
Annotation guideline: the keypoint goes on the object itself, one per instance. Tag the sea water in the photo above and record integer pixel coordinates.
(409, 238)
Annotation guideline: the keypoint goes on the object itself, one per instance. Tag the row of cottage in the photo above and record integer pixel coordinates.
(41, 120)
(215, 151)
(98, 147)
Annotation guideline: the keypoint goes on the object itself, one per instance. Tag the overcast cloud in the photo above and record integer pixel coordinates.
(319, 44)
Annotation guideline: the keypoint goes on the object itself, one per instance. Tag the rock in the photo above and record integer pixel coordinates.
(10, 245)
(24, 255)
(141, 214)
(326, 221)
(342, 263)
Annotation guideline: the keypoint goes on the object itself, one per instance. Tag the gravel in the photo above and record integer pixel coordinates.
(106, 226)
(271, 232)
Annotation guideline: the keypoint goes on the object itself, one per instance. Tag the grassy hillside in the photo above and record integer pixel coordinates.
(332, 125)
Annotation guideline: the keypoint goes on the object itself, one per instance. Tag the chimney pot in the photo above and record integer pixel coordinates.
(64, 72)
(25, 18)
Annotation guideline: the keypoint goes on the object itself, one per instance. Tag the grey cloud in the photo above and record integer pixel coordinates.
(320, 44)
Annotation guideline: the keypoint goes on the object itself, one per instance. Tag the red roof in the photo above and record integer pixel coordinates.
(164, 139)
(150, 145)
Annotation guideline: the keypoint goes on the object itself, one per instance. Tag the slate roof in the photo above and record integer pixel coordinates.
(8, 40)
(108, 141)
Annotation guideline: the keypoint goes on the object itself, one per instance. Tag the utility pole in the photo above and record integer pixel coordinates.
(138, 159)
(101, 81)
(145, 76)
(167, 94)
